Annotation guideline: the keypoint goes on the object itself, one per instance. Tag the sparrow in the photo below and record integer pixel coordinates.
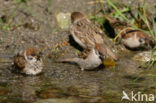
(28, 61)
(131, 38)
(88, 60)
(87, 35)
(136, 39)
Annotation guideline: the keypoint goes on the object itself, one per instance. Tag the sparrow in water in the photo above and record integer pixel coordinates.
(132, 39)
(28, 61)
(87, 35)
(136, 39)
(89, 60)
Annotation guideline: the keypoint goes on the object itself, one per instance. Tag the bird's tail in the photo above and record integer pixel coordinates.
(104, 50)
(67, 60)
(111, 54)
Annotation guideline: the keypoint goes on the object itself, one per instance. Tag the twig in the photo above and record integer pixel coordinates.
(96, 2)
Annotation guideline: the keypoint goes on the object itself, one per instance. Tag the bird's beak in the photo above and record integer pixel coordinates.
(40, 55)
(102, 57)
(36, 57)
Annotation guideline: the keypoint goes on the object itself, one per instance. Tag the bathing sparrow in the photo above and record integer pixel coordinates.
(89, 60)
(28, 61)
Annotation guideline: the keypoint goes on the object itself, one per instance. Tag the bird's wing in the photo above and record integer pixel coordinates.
(105, 50)
(68, 60)
(19, 62)
(83, 34)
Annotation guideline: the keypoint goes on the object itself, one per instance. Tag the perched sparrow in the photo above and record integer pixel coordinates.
(88, 61)
(130, 37)
(88, 35)
(28, 61)
(136, 39)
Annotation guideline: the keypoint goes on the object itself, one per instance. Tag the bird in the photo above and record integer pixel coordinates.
(28, 61)
(136, 39)
(87, 35)
(87, 60)
(130, 37)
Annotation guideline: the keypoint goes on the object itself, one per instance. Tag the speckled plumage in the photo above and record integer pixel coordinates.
(130, 37)
(91, 60)
(88, 35)
(28, 62)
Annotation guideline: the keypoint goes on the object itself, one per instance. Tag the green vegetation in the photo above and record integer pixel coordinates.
(140, 19)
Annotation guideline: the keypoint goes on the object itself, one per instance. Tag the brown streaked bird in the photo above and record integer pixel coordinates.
(87, 35)
(132, 39)
(28, 62)
(89, 60)
(136, 39)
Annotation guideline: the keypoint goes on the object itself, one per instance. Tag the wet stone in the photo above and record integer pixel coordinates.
(51, 93)
(3, 84)
(82, 91)
(4, 91)
(143, 56)
(60, 100)
(31, 26)
(63, 20)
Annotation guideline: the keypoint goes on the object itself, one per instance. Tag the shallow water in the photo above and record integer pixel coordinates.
(65, 82)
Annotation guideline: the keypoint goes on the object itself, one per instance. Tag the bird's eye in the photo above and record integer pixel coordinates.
(32, 54)
(97, 53)
(141, 40)
(102, 57)
(30, 57)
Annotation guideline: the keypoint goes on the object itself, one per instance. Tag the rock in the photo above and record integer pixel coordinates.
(4, 91)
(61, 100)
(51, 93)
(63, 20)
(143, 56)
(4, 60)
